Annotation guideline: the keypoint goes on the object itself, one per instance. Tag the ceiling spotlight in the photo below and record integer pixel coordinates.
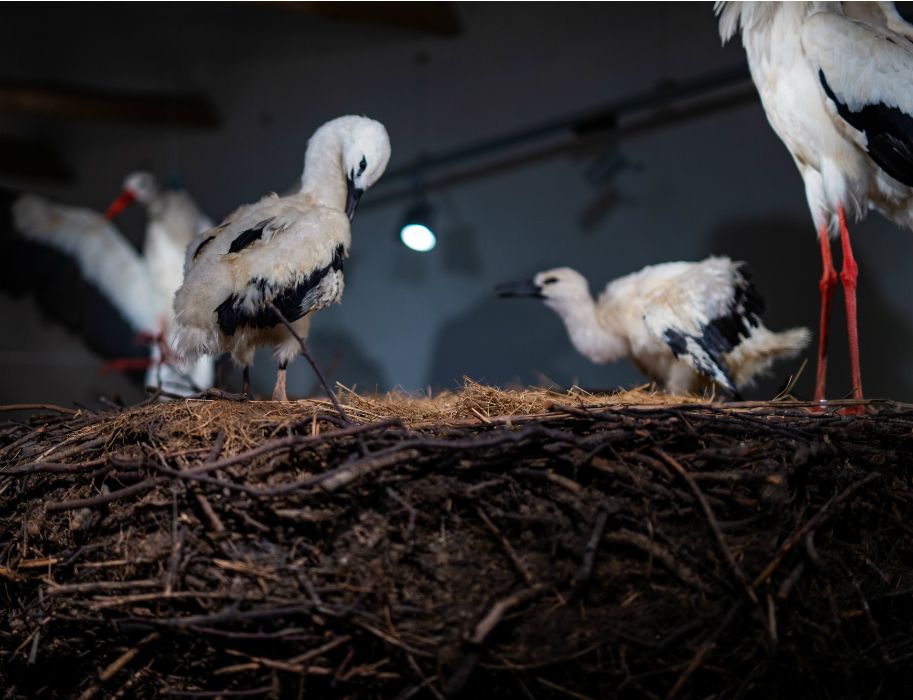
(416, 233)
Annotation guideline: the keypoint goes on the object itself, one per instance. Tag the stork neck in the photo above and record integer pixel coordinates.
(589, 334)
(323, 178)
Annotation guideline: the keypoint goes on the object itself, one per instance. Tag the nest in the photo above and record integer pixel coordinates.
(510, 544)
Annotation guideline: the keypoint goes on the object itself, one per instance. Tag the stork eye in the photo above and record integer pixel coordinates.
(362, 165)
(550, 280)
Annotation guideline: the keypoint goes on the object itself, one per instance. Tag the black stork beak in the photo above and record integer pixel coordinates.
(353, 194)
(524, 288)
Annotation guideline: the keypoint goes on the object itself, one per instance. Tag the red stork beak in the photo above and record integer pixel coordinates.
(118, 205)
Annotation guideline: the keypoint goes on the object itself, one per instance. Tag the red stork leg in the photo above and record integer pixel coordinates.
(848, 275)
(827, 284)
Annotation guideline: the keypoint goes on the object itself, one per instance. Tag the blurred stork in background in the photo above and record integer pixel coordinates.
(139, 287)
(685, 325)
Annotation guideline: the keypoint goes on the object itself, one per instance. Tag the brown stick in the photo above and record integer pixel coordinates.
(307, 356)
(712, 521)
(505, 543)
(589, 553)
(705, 648)
(5, 408)
(293, 441)
(814, 522)
(56, 506)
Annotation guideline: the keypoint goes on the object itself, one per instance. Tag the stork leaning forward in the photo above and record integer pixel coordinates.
(682, 324)
(836, 82)
(282, 253)
(140, 287)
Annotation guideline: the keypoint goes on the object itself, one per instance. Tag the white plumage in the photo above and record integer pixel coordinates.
(682, 324)
(836, 82)
(285, 250)
(140, 287)
(174, 219)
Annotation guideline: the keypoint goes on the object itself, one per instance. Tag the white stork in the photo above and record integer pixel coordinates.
(836, 82)
(683, 324)
(173, 220)
(140, 287)
(285, 251)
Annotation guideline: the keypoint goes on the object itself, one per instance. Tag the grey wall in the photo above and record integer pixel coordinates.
(721, 183)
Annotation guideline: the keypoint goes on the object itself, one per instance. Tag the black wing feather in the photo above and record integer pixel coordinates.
(248, 237)
(287, 299)
(888, 131)
(723, 333)
(201, 246)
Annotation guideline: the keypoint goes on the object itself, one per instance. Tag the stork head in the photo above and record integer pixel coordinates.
(139, 187)
(365, 154)
(362, 147)
(559, 288)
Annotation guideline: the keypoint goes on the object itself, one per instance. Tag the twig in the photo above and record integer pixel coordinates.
(6, 408)
(101, 499)
(809, 526)
(293, 441)
(307, 356)
(115, 666)
(93, 586)
(455, 684)
(711, 520)
(705, 648)
(508, 548)
(582, 577)
(658, 552)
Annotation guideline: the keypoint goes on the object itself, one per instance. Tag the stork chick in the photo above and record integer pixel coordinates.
(836, 79)
(682, 324)
(286, 251)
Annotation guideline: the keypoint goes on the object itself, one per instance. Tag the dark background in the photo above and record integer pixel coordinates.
(680, 180)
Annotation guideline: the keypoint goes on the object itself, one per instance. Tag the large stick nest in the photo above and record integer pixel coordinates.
(509, 544)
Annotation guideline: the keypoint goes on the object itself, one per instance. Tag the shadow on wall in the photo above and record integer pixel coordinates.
(516, 341)
(335, 351)
(785, 258)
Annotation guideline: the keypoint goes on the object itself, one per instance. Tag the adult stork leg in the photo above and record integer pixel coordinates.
(848, 275)
(827, 284)
(279, 389)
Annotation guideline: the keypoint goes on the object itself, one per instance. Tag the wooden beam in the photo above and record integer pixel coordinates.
(66, 102)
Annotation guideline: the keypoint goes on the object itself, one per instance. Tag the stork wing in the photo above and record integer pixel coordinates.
(312, 292)
(104, 257)
(866, 72)
(704, 313)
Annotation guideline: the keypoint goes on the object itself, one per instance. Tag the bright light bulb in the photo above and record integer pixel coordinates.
(418, 237)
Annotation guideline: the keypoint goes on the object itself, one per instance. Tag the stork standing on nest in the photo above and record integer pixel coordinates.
(282, 253)
(836, 82)
(684, 325)
(140, 287)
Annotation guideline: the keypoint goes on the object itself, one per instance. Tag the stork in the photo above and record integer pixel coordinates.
(136, 288)
(682, 324)
(836, 82)
(281, 253)
(173, 220)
